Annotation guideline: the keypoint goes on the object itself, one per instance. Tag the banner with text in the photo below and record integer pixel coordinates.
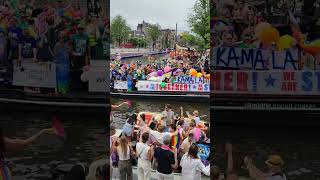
(230, 57)
(170, 87)
(120, 85)
(266, 82)
(32, 74)
(190, 80)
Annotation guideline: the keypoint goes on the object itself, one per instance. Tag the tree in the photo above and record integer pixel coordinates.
(138, 42)
(190, 40)
(119, 29)
(153, 33)
(199, 21)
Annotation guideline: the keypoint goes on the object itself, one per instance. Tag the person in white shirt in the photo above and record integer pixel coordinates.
(192, 167)
(157, 136)
(145, 154)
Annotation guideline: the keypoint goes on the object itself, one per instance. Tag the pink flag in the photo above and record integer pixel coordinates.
(129, 103)
(58, 127)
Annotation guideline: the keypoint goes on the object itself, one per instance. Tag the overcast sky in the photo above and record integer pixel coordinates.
(165, 12)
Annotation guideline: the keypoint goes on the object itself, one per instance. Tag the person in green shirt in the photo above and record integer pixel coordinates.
(80, 57)
(80, 50)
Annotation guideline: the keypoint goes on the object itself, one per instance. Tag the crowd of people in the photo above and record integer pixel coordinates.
(52, 31)
(162, 69)
(167, 143)
(245, 24)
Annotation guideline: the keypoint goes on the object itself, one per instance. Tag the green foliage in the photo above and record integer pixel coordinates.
(153, 33)
(119, 29)
(138, 42)
(199, 21)
(193, 41)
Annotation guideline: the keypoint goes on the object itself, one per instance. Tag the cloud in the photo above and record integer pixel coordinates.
(165, 12)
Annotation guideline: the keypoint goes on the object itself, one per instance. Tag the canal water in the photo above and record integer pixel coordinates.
(85, 141)
(153, 105)
(299, 147)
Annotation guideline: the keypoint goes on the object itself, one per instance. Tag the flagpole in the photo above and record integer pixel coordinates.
(176, 39)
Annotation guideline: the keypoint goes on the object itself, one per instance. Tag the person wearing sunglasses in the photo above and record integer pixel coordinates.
(192, 167)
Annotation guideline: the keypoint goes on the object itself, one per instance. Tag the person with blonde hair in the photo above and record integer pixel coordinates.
(124, 150)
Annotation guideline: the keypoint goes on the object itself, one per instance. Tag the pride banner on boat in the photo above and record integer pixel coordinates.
(171, 87)
(190, 80)
(120, 85)
(266, 82)
(31, 74)
(231, 57)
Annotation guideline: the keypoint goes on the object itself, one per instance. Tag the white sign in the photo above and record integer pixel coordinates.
(97, 77)
(171, 87)
(121, 85)
(32, 74)
(255, 58)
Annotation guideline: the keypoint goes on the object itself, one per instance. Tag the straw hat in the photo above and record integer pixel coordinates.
(274, 160)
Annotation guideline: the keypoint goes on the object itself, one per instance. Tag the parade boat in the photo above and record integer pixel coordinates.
(165, 82)
(45, 87)
(115, 170)
(163, 95)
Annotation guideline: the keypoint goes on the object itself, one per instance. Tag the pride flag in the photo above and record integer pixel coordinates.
(177, 139)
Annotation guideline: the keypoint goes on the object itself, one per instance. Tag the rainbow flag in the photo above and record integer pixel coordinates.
(177, 139)
(5, 173)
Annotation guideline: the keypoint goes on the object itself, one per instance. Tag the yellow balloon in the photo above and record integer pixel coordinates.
(167, 75)
(285, 42)
(269, 35)
(261, 27)
(199, 75)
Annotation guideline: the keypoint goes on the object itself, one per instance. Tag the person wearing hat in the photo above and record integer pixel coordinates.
(274, 164)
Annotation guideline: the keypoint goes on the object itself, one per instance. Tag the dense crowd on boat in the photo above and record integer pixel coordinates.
(243, 24)
(167, 143)
(160, 69)
(52, 31)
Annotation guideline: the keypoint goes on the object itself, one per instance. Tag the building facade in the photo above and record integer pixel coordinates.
(165, 40)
